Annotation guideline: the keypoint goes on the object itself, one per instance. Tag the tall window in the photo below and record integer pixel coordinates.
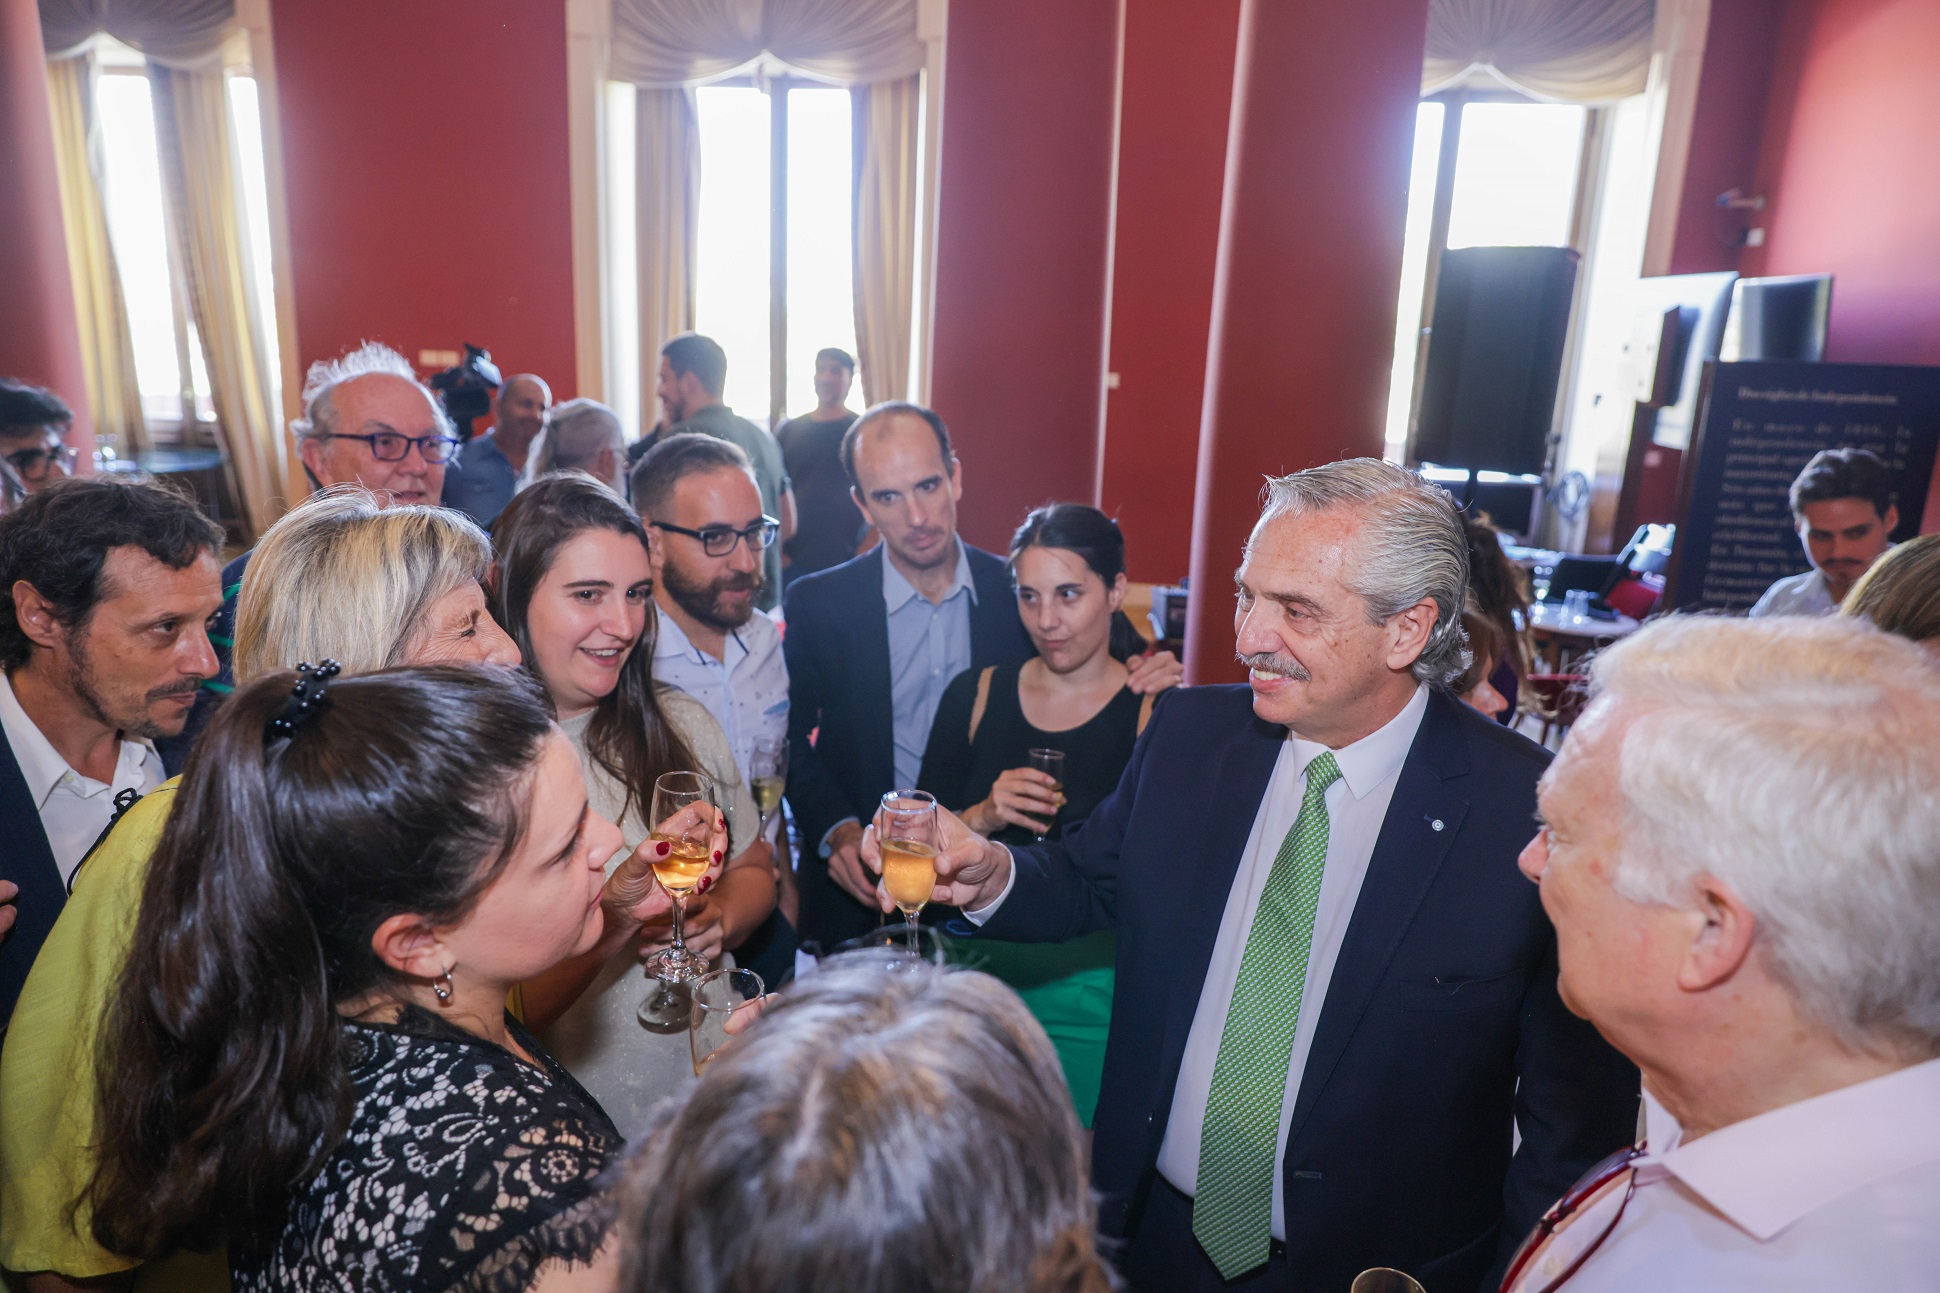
(1513, 183)
(758, 202)
(169, 365)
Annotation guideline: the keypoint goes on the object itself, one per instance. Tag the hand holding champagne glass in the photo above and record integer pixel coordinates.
(906, 825)
(686, 819)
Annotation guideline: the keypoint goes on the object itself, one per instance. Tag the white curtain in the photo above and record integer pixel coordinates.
(1572, 51)
(667, 187)
(887, 122)
(685, 42)
(174, 33)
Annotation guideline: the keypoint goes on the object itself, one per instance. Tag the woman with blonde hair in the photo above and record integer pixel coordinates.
(341, 578)
(1901, 593)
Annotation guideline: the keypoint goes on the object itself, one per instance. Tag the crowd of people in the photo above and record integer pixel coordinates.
(332, 952)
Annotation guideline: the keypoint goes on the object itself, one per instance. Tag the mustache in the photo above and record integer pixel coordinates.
(1274, 662)
(186, 688)
(739, 582)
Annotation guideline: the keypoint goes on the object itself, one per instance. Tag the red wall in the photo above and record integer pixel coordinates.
(425, 145)
(1178, 85)
(1728, 127)
(1023, 217)
(1851, 162)
(39, 339)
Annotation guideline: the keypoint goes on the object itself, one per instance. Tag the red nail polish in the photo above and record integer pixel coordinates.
(717, 855)
(663, 848)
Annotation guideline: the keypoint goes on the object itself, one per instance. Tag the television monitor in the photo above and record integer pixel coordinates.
(1778, 318)
(1702, 302)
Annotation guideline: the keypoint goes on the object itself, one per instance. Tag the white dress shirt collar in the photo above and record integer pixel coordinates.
(1376, 757)
(42, 766)
(1766, 1172)
(896, 590)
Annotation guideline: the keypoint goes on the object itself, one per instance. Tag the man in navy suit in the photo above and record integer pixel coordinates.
(871, 645)
(106, 589)
(1336, 994)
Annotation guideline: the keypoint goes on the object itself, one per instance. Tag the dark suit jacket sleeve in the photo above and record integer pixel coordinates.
(947, 758)
(1576, 1102)
(1070, 888)
(817, 800)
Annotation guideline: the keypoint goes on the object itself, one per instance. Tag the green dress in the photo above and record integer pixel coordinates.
(1068, 986)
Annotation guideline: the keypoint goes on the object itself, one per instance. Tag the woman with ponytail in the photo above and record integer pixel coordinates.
(307, 1056)
(1067, 563)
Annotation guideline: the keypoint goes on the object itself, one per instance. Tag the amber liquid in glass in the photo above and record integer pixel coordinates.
(682, 868)
(908, 873)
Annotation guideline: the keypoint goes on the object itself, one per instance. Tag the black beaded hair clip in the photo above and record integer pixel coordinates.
(307, 697)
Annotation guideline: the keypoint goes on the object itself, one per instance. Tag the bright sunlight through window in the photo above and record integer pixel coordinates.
(731, 296)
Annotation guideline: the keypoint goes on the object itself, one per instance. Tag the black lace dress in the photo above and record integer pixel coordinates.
(464, 1169)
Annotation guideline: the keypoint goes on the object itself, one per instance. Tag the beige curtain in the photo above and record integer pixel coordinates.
(1571, 51)
(887, 126)
(198, 156)
(175, 33)
(107, 350)
(667, 175)
(684, 42)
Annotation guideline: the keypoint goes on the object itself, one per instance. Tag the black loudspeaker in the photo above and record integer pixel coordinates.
(1495, 357)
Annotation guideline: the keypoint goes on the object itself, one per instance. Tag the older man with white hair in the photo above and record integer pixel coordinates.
(1335, 995)
(367, 420)
(1741, 855)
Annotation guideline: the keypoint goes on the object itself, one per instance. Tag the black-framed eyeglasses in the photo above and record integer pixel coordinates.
(1583, 1235)
(389, 446)
(719, 540)
(33, 464)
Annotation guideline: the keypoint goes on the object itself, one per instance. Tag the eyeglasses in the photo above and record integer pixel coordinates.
(33, 464)
(389, 446)
(1575, 1236)
(719, 540)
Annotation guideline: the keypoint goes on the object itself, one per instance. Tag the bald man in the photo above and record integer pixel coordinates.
(486, 472)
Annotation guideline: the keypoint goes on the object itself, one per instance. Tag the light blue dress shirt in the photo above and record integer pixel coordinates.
(746, 691)
(480, 480)
(929, 644)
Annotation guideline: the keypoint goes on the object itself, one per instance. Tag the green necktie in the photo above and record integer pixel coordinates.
(1232, 1212)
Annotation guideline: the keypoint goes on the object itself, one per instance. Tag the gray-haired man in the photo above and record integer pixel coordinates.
(1335, 998)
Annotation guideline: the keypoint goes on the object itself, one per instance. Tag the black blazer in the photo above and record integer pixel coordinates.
(1440, 1024)
(29, 864)
(837, 649)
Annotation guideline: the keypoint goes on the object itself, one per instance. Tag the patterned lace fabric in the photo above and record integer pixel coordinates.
(464, 1170)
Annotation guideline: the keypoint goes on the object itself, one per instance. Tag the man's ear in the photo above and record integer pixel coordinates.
(1890, 519)
(309, 452)
(956, 479)
(410, 945)
(36, 616)
(1722, 943)
(1412, 628)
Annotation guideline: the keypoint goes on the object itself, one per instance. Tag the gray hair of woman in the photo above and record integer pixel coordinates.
(343, 578)
(885, 1126)
(1412, 547)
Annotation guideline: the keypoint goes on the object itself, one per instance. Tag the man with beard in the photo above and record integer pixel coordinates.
(107, 587)
(702, 507)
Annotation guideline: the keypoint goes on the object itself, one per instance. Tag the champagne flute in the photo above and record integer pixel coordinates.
(907, 831)
(725, 1002)
(678, 872)
(1051, 763)
(768, 776)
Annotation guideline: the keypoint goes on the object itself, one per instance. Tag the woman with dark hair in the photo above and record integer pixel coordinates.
(883, 1128)
(573, 586)
(1068, 566)
(1497, 593)
(307, 1056)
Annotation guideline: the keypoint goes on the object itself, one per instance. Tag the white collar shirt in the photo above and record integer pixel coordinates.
(1840, 1191)
(746, 690)
(74, 809)
(1357, 805)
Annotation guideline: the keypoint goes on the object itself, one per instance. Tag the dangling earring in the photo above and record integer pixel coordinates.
(442, 987)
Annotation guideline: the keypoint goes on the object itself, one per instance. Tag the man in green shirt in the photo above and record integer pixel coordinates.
(693, 370)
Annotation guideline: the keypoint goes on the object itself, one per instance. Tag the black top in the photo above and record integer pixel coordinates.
(827, 525)
(464, 1168)
(960, 772)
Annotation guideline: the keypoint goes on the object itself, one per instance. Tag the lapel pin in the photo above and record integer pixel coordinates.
(1436, 824)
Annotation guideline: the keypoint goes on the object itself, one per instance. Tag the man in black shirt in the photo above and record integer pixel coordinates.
(828, 525)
